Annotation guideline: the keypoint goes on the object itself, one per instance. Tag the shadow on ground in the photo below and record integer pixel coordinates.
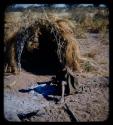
(49, 91)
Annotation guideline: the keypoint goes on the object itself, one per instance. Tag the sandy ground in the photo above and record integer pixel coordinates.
(26, 100)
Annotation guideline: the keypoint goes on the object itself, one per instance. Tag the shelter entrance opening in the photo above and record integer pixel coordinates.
(42, 60)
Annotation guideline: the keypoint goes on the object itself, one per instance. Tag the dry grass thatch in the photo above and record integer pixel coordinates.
(61, 34)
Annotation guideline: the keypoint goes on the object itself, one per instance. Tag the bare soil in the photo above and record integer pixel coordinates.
(27, 100)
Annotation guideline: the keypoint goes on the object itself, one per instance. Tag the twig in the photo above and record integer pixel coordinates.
(73, 117)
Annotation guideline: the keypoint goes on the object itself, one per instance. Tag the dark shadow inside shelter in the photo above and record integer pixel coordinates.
(42, 60)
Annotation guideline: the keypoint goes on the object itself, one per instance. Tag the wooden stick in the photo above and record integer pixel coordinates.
(74, 118)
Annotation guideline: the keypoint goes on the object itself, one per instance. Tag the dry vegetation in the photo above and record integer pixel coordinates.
(82, 22)
(90, 27)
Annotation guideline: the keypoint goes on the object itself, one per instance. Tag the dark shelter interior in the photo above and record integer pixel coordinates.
(42, 60)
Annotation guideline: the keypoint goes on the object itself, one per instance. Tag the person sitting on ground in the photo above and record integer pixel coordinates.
(66, 81)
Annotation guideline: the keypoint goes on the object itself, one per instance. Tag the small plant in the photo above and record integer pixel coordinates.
(79, 32)
(87, 66)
